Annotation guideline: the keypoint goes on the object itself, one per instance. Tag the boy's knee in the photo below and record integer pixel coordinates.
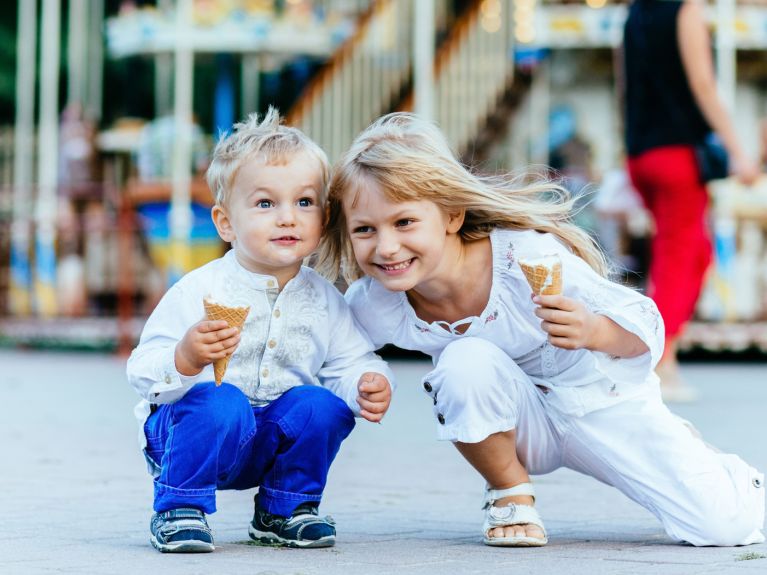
(221, 406)
(319, 407)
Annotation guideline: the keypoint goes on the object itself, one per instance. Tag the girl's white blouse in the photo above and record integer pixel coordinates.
(576, 381)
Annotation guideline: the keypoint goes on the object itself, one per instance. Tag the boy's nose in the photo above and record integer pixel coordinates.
(286, 216)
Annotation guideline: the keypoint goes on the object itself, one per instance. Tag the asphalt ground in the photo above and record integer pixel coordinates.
(76, 497)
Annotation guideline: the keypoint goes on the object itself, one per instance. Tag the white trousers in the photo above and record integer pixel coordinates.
(638, 446)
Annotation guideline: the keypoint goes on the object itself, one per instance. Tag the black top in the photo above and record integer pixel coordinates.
(660, 108)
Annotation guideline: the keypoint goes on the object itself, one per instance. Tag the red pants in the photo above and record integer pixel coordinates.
(668, 181)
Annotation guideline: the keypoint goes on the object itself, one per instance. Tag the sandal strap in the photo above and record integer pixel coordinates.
(513, 514)
(493, 495)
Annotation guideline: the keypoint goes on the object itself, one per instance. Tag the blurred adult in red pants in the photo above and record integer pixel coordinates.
(672, 105)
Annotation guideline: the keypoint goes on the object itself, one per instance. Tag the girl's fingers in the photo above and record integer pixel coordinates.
(558, 329)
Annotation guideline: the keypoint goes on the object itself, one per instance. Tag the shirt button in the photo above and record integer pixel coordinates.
(270, 283)
(427, 386)
(441, 418)
(265, 373)
(277, 313)
(167, 379)
(757, 482)
(272, 343)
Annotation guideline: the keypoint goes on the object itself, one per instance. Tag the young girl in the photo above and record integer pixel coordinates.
(521, 385)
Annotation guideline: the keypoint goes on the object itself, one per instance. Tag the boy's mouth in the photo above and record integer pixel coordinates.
(397, 267)
(287, 239)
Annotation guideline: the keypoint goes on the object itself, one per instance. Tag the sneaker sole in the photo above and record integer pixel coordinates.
(272, 540)
(181, 546)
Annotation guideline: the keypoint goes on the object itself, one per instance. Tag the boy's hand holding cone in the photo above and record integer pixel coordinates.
(212, 340)
(235, 317)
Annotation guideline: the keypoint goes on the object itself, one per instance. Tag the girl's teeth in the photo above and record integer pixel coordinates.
(401, 266)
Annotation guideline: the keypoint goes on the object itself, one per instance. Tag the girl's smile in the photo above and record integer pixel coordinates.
(404, 245)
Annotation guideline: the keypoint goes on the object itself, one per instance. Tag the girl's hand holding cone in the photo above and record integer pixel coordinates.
(568, 322)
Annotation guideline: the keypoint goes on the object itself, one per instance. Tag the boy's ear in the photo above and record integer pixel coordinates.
(455, 220)
(223, 223)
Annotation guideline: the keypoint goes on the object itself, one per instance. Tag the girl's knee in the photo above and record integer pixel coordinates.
(725, 515)
(471, 367)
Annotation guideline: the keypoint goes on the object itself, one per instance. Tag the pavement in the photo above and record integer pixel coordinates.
(75, 496)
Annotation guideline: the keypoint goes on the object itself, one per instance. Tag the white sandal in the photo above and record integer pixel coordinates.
(511, 514)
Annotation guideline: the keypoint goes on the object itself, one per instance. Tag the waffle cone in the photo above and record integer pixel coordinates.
(235, 317)
(544, 280)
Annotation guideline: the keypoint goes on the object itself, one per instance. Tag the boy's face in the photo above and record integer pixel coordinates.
(401, 244)
(273, 217)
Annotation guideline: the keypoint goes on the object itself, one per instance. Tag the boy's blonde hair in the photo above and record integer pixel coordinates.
(274, 143)
(411, 160)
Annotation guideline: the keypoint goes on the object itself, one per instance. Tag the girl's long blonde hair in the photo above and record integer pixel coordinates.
(410, 160)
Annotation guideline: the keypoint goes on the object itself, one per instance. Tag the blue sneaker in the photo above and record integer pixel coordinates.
(304, 528)
(181, 531)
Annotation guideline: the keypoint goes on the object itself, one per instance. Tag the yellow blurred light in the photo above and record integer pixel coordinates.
(525, 37)
(491, 24)
(490, 7)
(596, 3)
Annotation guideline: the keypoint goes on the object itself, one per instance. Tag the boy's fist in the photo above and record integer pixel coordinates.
(205, 342)
(374, 396)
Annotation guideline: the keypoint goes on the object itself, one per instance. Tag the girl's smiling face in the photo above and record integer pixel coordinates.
(401, 244)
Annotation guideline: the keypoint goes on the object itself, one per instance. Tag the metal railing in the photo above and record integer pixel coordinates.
(371, 74)
(364, 79)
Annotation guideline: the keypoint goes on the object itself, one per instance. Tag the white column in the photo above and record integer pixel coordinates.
(251, 75)
(95, 60)
(180, 210)
(726, 57)
(76, 56)
(423, 59)
(23, 162)
(47, 172)
(540, 93)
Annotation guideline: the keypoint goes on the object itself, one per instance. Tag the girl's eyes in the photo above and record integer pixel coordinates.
(306, 202)
(362, 230)
(404, 222)
(264, 204)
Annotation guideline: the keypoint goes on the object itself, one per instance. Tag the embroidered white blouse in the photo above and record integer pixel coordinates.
(304, 334)
(578, 381)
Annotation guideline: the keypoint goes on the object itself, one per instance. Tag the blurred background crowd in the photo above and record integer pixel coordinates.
(109, 109)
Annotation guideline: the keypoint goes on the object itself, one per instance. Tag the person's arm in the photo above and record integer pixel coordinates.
(695, 51)
(571, 325)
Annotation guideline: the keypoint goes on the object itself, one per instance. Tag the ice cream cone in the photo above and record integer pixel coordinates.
(544, 274)
(235, 317)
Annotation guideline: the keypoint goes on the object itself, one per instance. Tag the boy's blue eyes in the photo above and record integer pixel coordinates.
(303, 203)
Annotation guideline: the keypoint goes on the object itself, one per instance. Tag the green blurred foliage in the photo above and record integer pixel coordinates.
(8, 18)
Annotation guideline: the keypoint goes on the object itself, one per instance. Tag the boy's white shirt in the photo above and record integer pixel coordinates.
(309, 336)
(579, 381)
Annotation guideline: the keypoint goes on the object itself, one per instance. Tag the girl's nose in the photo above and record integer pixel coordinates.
(387, 245)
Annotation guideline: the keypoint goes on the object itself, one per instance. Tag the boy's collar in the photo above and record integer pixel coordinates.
(259, 281)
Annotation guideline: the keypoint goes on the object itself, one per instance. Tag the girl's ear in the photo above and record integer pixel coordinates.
(223, 224)
(455, 220)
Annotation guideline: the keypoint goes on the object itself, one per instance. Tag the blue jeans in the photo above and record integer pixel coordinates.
(212, 438)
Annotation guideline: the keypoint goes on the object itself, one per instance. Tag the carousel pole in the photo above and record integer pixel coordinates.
(19, 301)
(47, 202)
